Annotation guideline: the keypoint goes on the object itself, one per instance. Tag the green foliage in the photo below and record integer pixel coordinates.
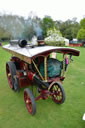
(47, 23)
(53, 32)
(82, 23)
(12, 25)
(68, 28)
(13, 112)
(4, 34)
(81, 34)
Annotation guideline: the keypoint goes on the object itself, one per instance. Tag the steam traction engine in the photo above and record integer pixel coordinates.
(32, 65)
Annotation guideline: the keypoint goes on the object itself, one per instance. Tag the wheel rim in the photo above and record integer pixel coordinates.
(28, 102)
(57, 93)
(9, 77)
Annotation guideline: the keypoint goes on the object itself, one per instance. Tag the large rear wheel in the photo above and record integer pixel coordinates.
(29, 101)
(11, 76)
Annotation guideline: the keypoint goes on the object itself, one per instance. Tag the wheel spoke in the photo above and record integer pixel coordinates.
(60, 93)
(59, 89)
(29, 107)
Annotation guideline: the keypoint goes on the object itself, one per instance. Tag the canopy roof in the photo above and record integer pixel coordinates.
(30, 52)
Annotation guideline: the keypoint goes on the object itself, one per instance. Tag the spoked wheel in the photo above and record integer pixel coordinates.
(58, 94)
(29, 101)
(11, 76)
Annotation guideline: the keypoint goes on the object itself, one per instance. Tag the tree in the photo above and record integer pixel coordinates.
(81, 34)
(82, 23)
(54, 33)
(4, 34)
(69, 28)
(54, 36)
(12, 24)
(32, 27)
(47, 22)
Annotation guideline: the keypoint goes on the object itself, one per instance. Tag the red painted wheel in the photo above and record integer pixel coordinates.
(11, 76)
(11, 71)
(58, 94)
(29, 101)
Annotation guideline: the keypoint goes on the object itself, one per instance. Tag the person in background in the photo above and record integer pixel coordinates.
(70, 58)
(0, 44)
(66, 63)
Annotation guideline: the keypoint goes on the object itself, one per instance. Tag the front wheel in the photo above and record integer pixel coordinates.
(29, 101)
(58, 94)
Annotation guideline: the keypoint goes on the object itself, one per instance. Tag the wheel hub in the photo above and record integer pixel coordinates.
(9, 74)
(27, 101)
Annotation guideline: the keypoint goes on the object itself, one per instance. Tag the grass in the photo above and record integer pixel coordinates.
(13, 113)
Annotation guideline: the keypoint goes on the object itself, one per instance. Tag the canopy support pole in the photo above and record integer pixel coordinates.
(45, 67)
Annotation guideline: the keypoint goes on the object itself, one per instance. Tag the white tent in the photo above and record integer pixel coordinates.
(66, 41)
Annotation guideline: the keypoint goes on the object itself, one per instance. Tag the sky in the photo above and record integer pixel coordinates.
(57, 9)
